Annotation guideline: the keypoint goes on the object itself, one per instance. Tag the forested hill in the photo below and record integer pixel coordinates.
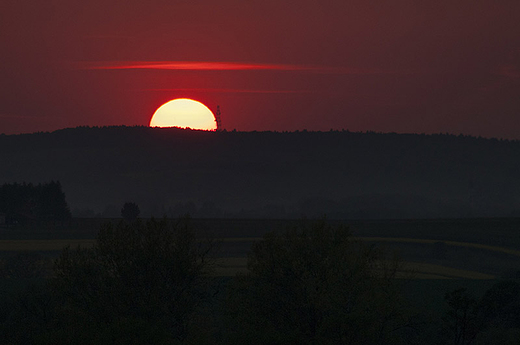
(256, 174)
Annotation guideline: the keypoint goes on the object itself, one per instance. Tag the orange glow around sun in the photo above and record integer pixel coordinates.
(184, 113)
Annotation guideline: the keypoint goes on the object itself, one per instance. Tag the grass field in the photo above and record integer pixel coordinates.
(435, 249)
(449, 243)
(228, 266)
(58, 244)
(441, 255)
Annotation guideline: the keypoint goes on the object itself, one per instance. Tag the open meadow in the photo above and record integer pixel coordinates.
(433, 249)
(437, 256)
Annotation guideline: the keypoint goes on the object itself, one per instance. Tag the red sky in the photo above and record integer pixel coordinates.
(391, 66)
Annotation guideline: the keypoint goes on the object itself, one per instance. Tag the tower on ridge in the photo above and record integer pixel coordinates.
(217, 118)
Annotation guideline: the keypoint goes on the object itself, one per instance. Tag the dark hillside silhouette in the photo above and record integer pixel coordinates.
(271, 174)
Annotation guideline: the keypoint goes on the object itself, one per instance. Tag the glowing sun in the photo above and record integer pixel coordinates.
(184, 113)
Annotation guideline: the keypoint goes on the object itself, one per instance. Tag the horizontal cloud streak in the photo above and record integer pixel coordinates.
(231, 90)
(189, 65)
(220, 66)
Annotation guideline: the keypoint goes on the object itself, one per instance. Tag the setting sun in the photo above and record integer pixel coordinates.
(184, 113)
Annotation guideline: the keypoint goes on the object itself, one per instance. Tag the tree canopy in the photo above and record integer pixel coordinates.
(24, 202)
(313, 284)
(150, 275)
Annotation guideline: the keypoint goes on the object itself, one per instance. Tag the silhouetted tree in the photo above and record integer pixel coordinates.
(499, 309)
(500, 304)
(51, 203)
(130, 211)
(494, 319)
(313, 284)
(26, 202)
(462, 322)
(147, 277)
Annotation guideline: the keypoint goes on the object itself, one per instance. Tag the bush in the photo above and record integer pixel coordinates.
(313, 284)
(151, 275)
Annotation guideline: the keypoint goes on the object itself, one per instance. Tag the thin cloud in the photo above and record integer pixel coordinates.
(221, 66)
(215, 90)
(187, 65)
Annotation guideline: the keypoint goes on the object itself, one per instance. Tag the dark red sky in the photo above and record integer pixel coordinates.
(401, 66)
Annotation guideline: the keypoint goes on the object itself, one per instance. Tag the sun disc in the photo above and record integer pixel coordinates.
(184, 113)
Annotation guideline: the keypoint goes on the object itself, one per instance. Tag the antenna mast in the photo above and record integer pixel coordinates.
(217, 117)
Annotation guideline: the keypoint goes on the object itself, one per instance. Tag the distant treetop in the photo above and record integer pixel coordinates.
(22, 203)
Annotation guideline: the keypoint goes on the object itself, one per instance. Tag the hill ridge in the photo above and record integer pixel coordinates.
(344, 174)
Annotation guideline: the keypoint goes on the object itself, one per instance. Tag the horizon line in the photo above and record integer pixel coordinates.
(343, 130)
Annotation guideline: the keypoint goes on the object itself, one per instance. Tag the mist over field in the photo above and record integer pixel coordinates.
(269, 174)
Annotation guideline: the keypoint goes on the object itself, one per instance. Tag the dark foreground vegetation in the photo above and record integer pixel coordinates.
(313, 283)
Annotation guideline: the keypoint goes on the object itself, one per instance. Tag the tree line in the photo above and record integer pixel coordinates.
(23, 203)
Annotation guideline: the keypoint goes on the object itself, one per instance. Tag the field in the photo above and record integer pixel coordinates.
(229, 266)
(433, 249)
(442, 255)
